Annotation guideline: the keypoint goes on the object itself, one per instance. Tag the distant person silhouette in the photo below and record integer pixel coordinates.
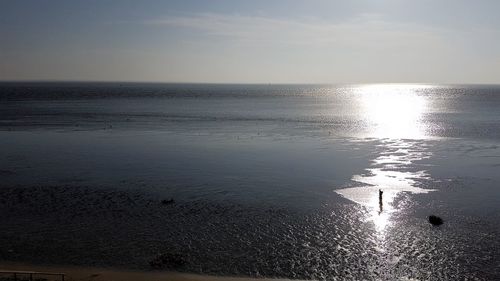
(380, 203)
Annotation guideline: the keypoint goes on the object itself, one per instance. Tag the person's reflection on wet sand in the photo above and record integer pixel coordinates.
(380, 203)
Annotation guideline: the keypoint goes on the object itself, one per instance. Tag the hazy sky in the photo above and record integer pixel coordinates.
(251, 41)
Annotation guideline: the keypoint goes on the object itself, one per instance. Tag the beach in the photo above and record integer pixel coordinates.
(318, 182)
(73, 273)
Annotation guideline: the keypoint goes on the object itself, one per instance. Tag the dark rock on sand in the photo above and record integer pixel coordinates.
(435, 220)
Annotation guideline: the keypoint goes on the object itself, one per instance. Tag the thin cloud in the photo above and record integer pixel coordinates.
(357, 32)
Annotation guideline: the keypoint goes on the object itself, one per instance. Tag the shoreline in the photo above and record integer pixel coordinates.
(117, 274)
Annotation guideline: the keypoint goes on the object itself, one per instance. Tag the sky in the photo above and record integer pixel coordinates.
(259, 41)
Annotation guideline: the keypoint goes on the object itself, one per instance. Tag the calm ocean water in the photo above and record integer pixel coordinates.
(268, 180)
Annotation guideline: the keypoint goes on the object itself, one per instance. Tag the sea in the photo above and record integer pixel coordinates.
(324, 182)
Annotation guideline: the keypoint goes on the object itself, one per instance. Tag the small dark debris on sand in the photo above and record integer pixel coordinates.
(435, 220)
(168, 201)
(170, 261)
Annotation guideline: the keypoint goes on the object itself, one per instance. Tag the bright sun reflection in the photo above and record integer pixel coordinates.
(393, 111)
(393, 114)
(392, 172)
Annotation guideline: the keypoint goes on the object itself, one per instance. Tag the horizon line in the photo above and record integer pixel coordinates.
(240, 83)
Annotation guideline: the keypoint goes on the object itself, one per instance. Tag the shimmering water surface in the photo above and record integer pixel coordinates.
(268, 180)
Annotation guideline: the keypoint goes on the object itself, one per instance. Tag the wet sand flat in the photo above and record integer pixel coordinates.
(73, 273)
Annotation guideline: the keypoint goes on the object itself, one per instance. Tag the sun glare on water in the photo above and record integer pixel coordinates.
(393, 114)
(393, 111)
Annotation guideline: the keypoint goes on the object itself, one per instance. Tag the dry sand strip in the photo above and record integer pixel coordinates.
(110, 274)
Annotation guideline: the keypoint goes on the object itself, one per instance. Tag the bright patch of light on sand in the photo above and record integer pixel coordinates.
(391, 183)
(393, 111)
(392, 173)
